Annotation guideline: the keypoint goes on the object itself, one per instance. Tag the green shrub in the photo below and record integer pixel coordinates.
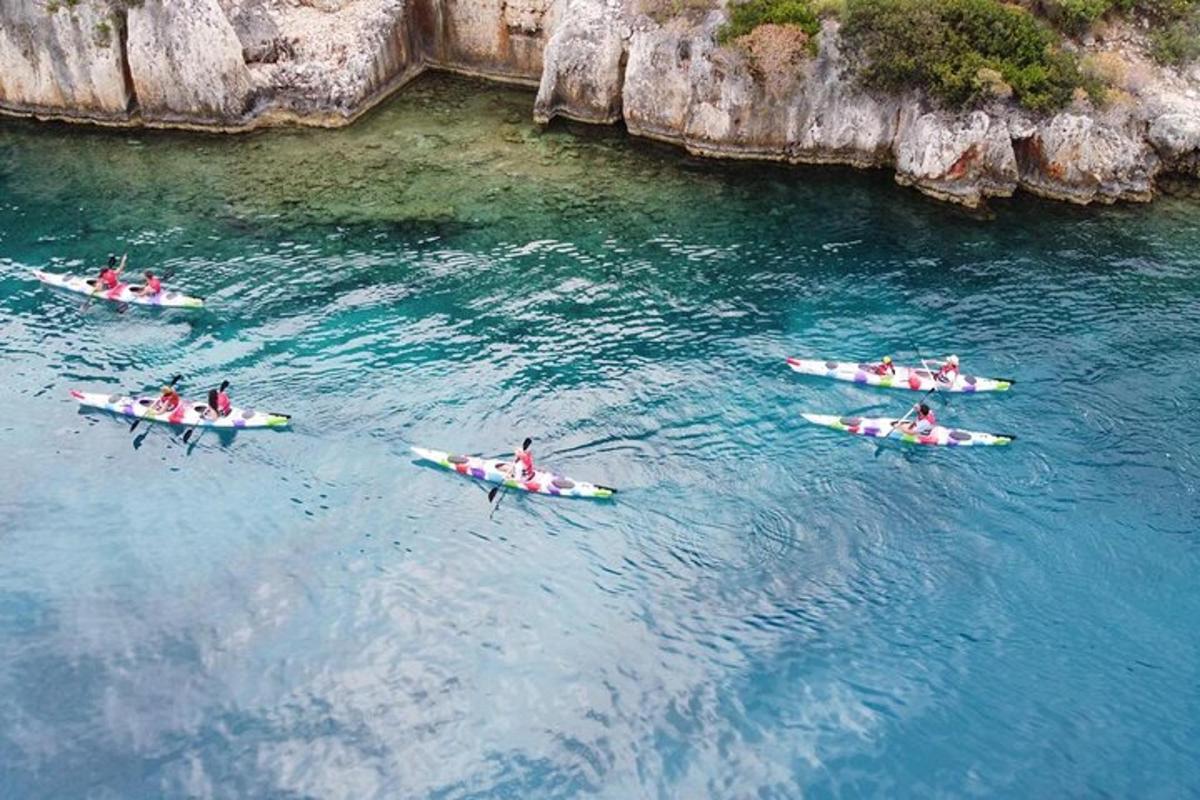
(941, 46)
(745, 17)
(1076, 16)
(1179, 42)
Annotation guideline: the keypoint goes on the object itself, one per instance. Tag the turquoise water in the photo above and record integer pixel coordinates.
(767, 608)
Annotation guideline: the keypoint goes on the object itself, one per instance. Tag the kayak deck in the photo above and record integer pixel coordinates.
(881, 427)
(122, 293)
(488, 470)
(912, 378)
(187, 413)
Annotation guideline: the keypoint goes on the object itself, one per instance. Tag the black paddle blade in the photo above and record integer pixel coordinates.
(175, 380)
(525, 444)
(135, 424)
(224, 386)
(188, 434)
(492, 493)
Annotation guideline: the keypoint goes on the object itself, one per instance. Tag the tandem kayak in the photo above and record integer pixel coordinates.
(186, 413)
(916, 379)
(879, 427)
(489, 470)
(123, 293)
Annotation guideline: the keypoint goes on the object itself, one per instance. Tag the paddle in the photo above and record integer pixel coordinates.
(133, 427)
(500, 489)
(904, 419)
(88, 302)
(191, 430)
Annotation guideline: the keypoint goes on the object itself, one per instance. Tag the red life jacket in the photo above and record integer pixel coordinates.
(108, 276)
(223, 406)
(526, 459)
(153, 285)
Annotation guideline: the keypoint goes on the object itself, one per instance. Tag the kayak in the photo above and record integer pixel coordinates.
(186, 413)
(122, 293)
(918, 380)
(489, 470)
(878, 427)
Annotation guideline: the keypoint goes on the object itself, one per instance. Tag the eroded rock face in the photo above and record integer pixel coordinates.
(496, 38)
(186, 62)
(66, 63)
(1080, 159)
(964, 158)
(583, 68)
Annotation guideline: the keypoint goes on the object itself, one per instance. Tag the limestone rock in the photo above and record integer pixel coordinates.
(583, 66)
(1076, 158)
(186, 62)
(962, 158)
(68, 62)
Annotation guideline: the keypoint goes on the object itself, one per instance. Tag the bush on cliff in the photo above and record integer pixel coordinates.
(745, 17)
(945, 46)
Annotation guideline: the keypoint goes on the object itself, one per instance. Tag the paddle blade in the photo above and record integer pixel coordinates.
(188, 435)
(224, 386)
(135, 424)
(525, 444)
(175, 380)
(492, 493)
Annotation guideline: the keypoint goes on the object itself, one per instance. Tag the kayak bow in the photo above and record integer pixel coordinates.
(916, 379)
(123, 293)
(488, 470)
(880, 427)
(186, 413)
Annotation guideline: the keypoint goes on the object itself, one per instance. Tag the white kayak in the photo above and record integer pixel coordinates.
(187, 413)
(879, 427)
(122, 293)
(914, 378)
(489, 470)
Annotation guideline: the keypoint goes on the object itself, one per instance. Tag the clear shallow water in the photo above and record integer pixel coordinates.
(768, 608)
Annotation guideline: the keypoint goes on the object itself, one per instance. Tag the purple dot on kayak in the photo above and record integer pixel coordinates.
(552, 489)
(870, 431)
(860, 377)
(239, 423)
(969, 388)
(476, 472)
(127, 409)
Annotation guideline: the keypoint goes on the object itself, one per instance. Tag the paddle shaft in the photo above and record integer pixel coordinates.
(152, 412)
(120, 269)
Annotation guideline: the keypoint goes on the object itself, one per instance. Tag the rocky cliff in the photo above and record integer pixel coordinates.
(235, 64)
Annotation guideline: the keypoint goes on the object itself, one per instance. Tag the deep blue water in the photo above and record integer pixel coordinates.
(767, 609)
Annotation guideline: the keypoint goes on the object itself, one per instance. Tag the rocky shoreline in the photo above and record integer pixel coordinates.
(236, 65)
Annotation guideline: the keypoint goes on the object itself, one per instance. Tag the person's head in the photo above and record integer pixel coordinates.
(953, 361)
(112, 259)
(923, 410)
(149, 274)
(168, 390)
(212, 398)
(887, 359)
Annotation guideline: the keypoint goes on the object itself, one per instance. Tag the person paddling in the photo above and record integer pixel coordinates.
(110, 276)
(948, 372)
(169, 400)
(522, 467)
(152, 287)
(218, 403)
(924, 424)
(885, 367)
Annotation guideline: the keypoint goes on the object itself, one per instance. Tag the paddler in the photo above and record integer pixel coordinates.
(523, 464)
(218, 404)
(110, 276)
(152, 287)
(924, 423)
(885, 367)
(948, 372)
(169, 400)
